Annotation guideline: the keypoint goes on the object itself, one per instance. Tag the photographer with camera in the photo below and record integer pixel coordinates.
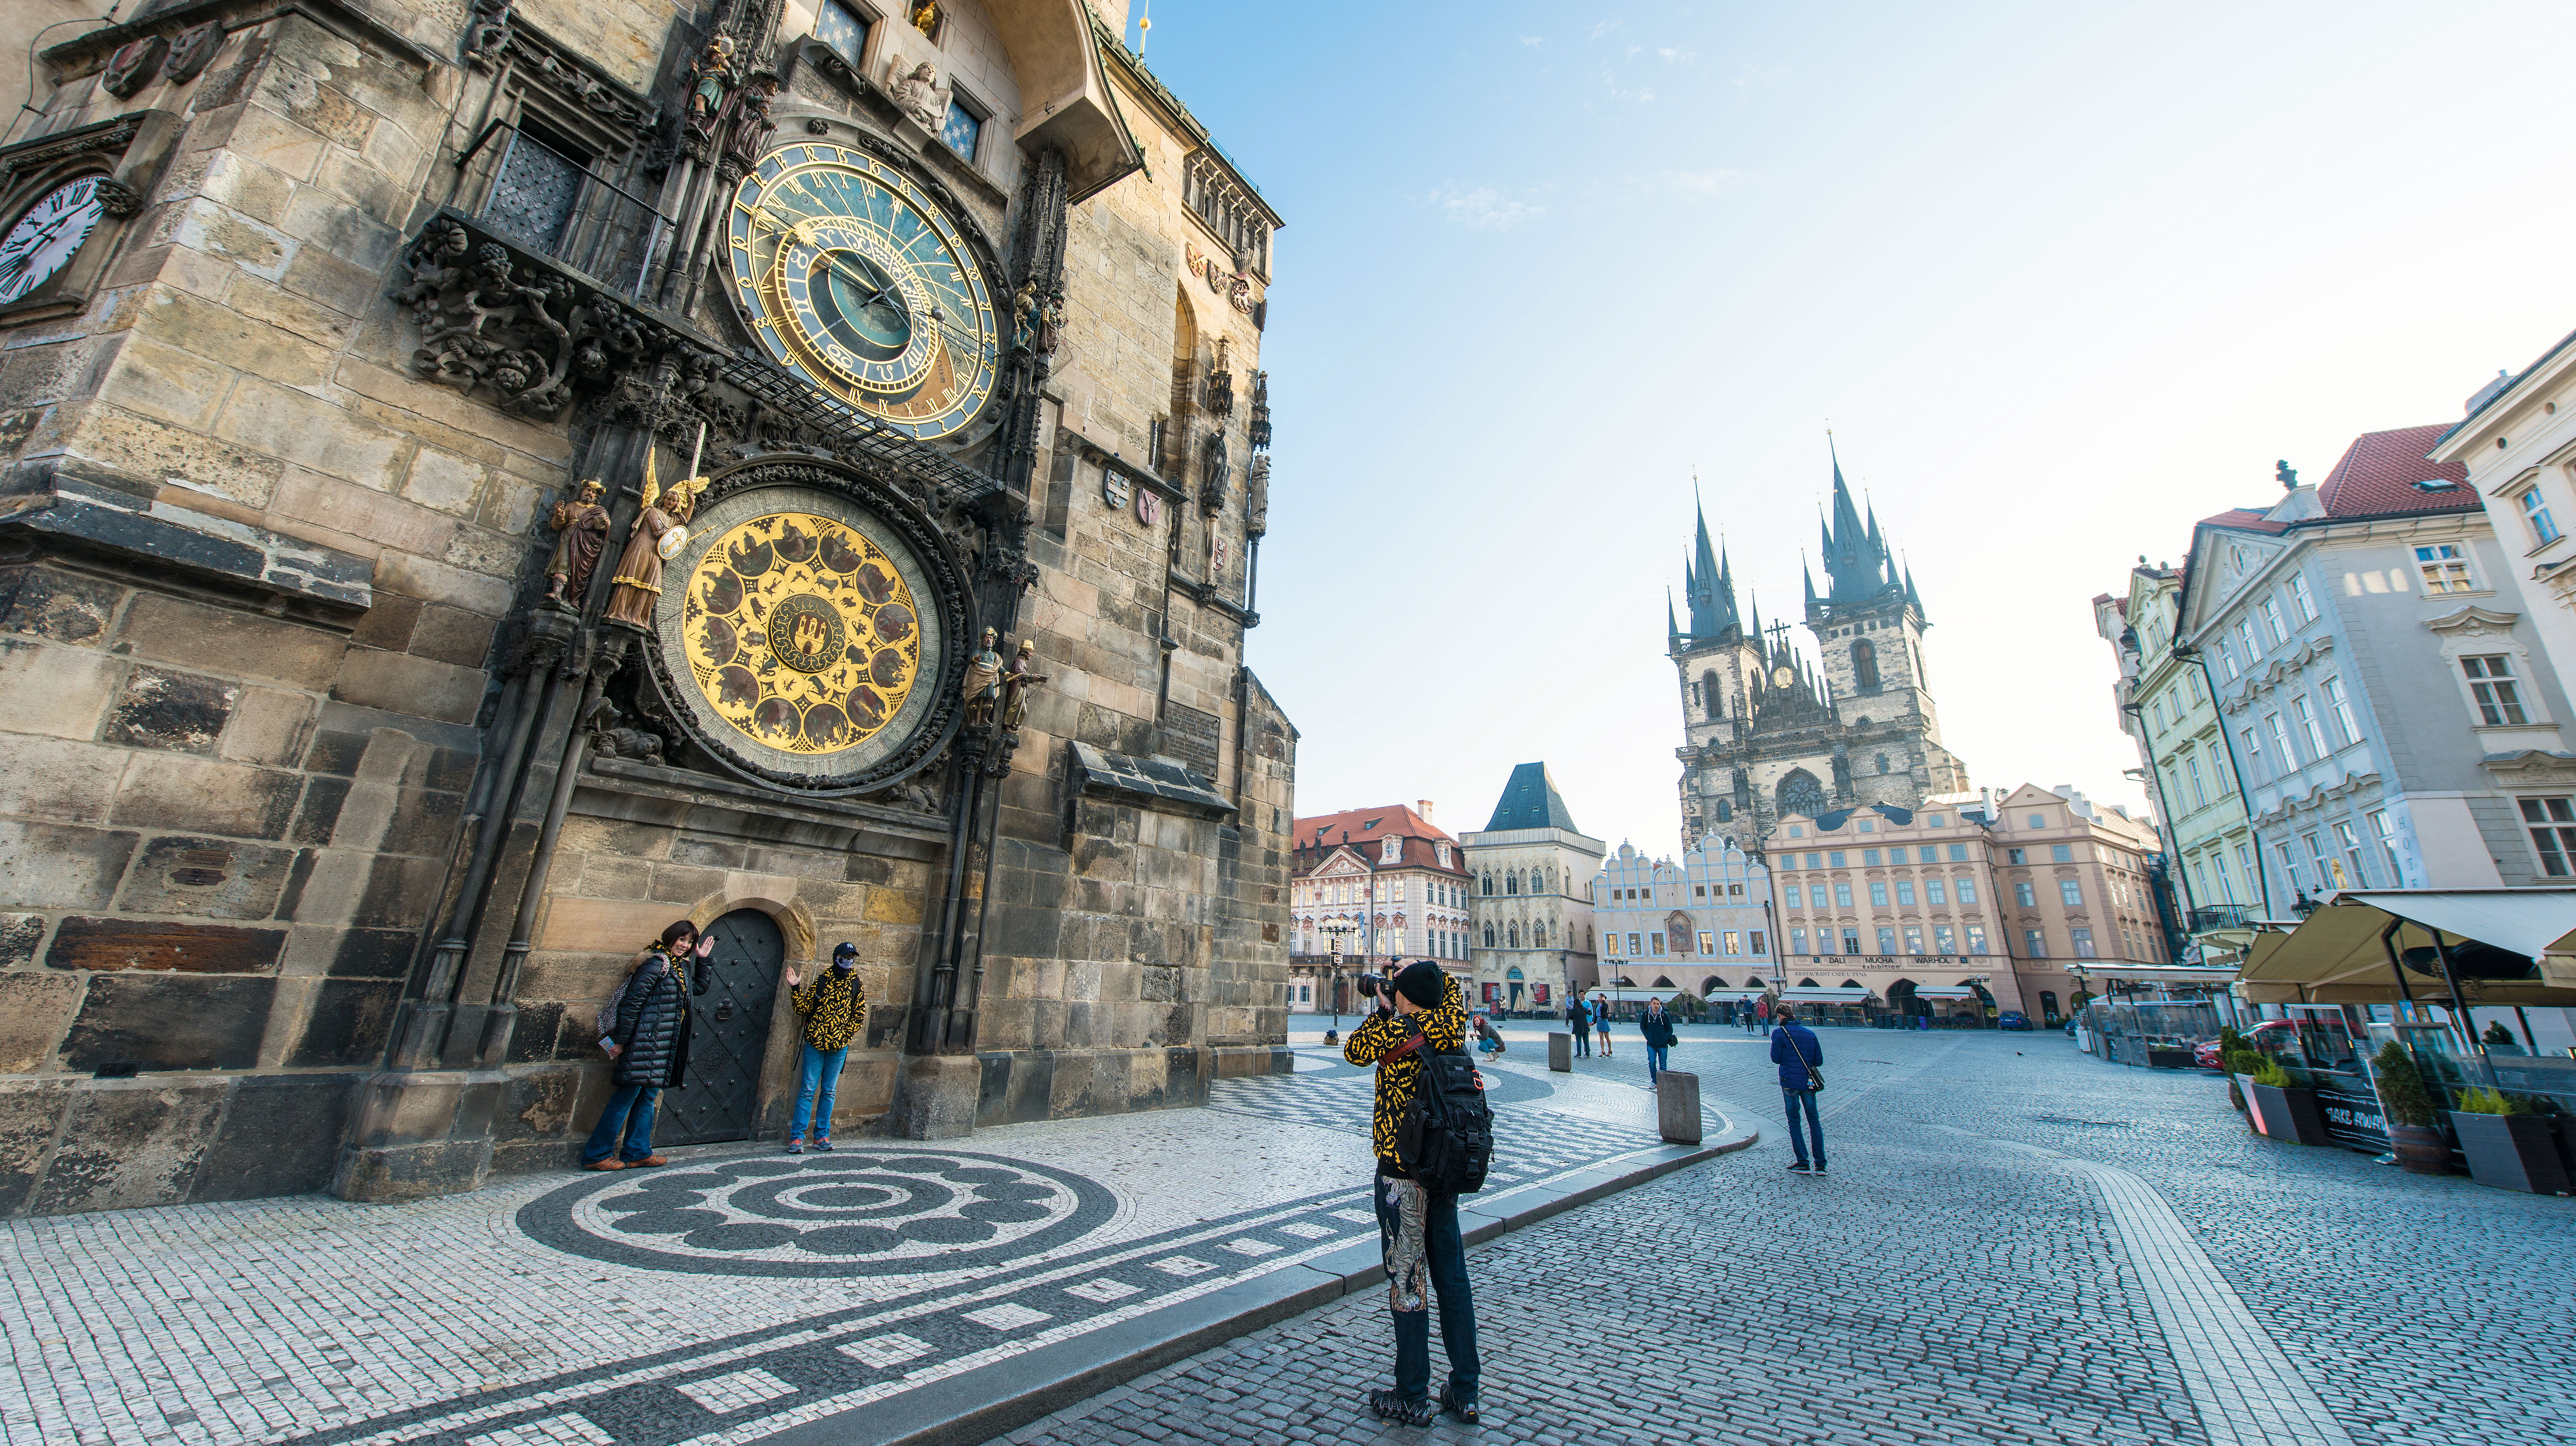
(1417, 1011)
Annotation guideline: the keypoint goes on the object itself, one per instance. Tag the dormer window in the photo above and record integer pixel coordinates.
(1441, 850)
(1393, 853)
(2437, 484)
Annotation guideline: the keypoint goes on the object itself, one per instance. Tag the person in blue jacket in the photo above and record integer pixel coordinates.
(1801, 1057)
(1660, 1037)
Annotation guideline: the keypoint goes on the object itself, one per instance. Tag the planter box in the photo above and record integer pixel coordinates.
(2420, 1149)
(2512, 1152)
(2285, 1114)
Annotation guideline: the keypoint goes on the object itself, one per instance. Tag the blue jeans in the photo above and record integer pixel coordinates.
(814, 1096)
(1655, 1057)
(628, 1118)
(1583, 1043)
(1446, 1255)
(1795, 1100)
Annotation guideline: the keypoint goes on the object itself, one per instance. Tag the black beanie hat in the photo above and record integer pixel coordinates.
(1422, 983)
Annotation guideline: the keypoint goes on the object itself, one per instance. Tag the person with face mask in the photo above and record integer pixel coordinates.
(835, 1010)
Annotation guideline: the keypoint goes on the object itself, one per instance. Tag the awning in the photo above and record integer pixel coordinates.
(2094, 971)
(1828, 996)
(1734, 994)
(1943, 991)
(2336, 957)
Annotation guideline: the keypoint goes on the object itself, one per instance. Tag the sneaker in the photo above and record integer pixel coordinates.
(605, 1165)
(1820, 1168)
(1466, 1410)
(796, 1147)
(1388, 1406)
(647, 1162)
(1800, 1167)
(823, 1145)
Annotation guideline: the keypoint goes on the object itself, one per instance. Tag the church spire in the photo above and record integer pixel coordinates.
(1858, 567)
(1709, 584)
(1671, 625)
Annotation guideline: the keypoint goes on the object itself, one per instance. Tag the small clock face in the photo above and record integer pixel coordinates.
(1783, 676)
(47, 236)
(862, 287)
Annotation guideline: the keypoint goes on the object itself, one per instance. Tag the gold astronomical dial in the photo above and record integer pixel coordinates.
(1783, 676)
(801, 633)
(860, 285)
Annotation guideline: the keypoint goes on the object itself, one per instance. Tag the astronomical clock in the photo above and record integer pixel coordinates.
(808, 625)
(862, 287)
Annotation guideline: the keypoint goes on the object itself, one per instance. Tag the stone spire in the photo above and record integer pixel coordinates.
(1710, 587)
(1857, 565)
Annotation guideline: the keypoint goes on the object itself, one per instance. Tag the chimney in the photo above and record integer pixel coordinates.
(1422, 806)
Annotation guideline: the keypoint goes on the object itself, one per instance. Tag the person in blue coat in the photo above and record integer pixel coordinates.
(1801, 1057)
(1660, 1037)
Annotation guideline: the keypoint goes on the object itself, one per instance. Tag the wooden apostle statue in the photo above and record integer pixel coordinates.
(581, 535)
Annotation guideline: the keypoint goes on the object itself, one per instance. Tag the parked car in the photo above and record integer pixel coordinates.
(2013, 1019)
(2270, 1036)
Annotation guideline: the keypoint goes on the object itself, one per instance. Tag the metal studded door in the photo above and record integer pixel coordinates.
(728, 1033)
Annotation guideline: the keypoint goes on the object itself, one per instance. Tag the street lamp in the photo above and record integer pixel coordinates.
(1333, 974)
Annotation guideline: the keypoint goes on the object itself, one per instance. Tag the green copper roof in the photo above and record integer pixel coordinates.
(1530, 800)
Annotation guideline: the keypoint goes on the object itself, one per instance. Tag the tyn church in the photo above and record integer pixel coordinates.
(1768, 734)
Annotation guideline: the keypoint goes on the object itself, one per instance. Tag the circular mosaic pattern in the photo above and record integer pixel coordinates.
(847, 1213)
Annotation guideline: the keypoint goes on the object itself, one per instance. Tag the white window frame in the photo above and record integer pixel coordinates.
(2537, 516)
(2302, 601)
(2313, 730)
(2446, 568)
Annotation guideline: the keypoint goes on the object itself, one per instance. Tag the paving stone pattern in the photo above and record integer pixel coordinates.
(1983, 1264)
(734, 1295)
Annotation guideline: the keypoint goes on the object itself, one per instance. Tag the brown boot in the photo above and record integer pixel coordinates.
(611, 1164)
(647, 1160)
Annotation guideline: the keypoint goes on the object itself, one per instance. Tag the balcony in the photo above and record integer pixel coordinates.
(2223, 916)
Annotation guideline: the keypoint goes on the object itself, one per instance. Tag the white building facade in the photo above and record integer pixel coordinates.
(1698, 923)
(1532, 934)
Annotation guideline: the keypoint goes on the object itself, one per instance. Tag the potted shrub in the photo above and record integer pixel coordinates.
(2508, 1144)
(2418, 1142)
(2283, 1109)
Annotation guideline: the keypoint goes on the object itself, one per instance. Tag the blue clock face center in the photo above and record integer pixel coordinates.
(860, 305)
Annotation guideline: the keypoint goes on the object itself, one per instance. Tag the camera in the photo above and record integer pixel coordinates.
(1368, 986)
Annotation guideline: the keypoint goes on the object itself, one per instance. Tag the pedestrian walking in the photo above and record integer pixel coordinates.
(1660, 1038)
(1801, 1057)
(1601, 1025)
(1423, 1012)
(645, 1033)
(1578, 1018)
(835, 1009)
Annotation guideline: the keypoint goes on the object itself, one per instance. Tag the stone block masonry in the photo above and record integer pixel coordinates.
(302, 889)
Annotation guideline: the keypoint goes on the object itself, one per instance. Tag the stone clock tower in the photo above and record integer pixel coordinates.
(1767, 733)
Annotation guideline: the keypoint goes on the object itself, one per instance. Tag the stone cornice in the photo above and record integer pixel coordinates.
(83, 54)
(2472, 621)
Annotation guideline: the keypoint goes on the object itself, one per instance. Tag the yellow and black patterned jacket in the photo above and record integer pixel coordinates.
(1443, 1028)
(835, 1006)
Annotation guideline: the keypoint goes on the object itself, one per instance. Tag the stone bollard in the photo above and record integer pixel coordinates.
(1677, 1107)
(1560, 1052)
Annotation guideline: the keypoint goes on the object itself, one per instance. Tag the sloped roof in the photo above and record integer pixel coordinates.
(1365, 825)
(2247, 519)
(1530, 800)
(2378, 473)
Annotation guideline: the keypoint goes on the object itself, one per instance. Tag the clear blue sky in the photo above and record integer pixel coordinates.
(2061, 278)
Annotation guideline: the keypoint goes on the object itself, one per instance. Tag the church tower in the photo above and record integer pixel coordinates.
(1766, 733)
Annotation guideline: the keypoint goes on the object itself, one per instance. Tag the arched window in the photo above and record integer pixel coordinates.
(1801, 793)
(1709, 695)
(1514, 933)
(1489, 888)
(1489, 932)
(1806, 983)
(1665, 981)
(1538, 935)
(1882, 763)
(1512, 882)
(1865, 664)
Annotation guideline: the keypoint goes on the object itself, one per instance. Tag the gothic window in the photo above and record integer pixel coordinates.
(1708, 692)
(1725, 811)
(1538, 935)
(1512, 882)
(1801, 793)
(1882, 763)
(1515, 934)
(1489, 936)
(1489, 889)
(1865, 664)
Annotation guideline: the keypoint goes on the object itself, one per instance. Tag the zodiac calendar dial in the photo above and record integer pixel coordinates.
(858, 283)
(801, 633)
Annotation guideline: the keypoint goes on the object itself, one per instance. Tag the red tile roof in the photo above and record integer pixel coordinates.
(2378, 473)
(2247, 519)
(1390, 820)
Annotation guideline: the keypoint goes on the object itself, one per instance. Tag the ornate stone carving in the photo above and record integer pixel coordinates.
(610, 738)
(1257, 435)
(487, 34)
(918, 93)
(136, 64)
(117, 198)
(487, 327)
(1256, 497)
(192, 52)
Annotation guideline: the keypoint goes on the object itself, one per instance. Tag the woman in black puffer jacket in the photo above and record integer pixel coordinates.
(648, 1045)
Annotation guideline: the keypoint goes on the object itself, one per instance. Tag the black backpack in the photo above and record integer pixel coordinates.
(1446, 1137)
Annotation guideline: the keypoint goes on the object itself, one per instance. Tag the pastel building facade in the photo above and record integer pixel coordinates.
(1699, 923)
(1533, 933)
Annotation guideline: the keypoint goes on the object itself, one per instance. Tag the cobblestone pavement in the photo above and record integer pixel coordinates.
(738, 1293)
(2016, 1243)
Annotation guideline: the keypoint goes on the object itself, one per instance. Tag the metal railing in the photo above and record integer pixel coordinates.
(599, 229)
(2223, 916)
